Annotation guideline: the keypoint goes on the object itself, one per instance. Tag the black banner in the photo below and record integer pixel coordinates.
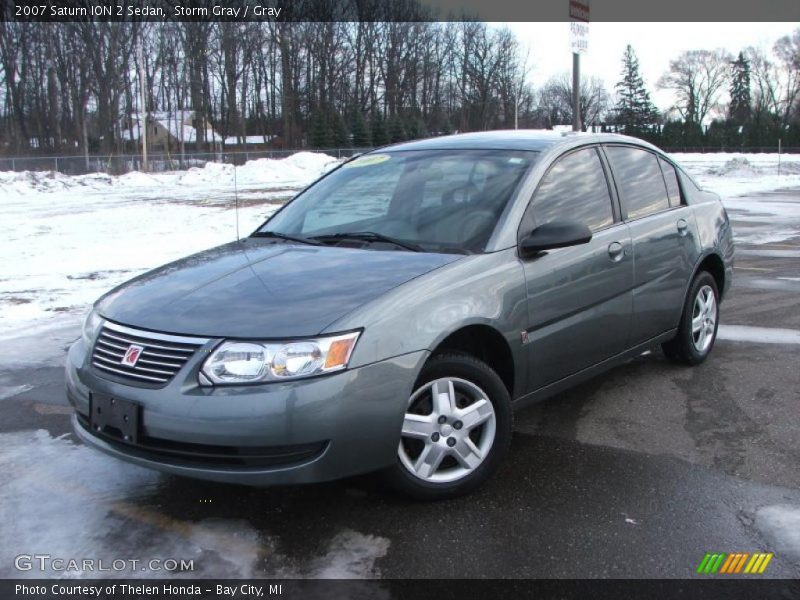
(396, 10)
(733, 588)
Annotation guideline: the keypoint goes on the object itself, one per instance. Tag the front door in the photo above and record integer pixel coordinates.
(579, 298)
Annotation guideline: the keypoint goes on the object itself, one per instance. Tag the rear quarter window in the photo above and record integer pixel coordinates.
(639, 181)
(671, 179)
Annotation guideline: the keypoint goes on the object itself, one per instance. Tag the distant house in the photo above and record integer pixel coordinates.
(251, 142)
(168, 130)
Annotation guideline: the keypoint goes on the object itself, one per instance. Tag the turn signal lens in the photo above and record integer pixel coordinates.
(339, 353)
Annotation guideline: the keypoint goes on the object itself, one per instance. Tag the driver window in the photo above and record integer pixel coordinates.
(575, 188)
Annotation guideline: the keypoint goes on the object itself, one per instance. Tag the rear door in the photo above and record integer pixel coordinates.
(664, 237)
(579, 298)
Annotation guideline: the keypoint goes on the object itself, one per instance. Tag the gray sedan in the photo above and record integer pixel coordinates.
(396, 312)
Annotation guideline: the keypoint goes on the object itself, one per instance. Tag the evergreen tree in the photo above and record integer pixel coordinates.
(362, 137)
(321, 133)
(740, 107)
(672, 134)
(341, 137)
(415, 128)
(634, 110)
(380, 137)
(397, 132)
(718, 134)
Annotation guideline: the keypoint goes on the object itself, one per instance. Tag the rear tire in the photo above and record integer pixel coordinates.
(697, 330)
(456, 430)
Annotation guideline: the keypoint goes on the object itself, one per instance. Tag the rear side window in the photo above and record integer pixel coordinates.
(575, 188)
(671, 179)
(639, 181)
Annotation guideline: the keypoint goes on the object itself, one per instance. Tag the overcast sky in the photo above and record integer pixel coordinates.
(654, 43)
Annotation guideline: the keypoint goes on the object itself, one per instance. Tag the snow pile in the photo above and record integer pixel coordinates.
(29, 181)
(732, 174)
(135, 179)
(736, 167)
(298, 168)
(296, 171)
(737, 164)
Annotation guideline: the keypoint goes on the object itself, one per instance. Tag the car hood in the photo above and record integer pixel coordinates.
(261, 289)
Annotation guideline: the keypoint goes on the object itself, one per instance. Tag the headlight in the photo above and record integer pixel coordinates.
(91, 325)
(235, 362)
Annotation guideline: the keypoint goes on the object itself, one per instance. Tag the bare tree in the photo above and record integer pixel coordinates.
(698, 77)
(555, 99)
(787, 51)
(76, 85)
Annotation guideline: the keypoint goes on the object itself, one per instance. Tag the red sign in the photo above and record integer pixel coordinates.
(579, 11)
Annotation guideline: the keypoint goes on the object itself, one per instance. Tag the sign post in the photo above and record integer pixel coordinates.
(579, 44)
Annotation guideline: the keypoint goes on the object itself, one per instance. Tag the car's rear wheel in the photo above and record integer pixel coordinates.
(698, 327)
(456, 429)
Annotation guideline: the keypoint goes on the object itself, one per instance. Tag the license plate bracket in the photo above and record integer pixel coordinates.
(115, 417)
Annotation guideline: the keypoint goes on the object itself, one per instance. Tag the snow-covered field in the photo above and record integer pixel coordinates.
(732, 174)
(67, 240)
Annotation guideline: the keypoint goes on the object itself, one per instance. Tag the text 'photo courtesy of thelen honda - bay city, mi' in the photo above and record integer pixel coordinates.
(395, 313)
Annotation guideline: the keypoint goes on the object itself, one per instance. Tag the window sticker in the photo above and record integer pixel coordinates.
(367, 161)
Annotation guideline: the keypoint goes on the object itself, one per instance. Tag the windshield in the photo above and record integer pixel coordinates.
(433, 200)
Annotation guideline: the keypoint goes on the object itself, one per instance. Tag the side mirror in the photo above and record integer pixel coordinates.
(555, 234)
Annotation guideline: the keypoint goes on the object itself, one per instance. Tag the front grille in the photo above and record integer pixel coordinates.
(162, 355)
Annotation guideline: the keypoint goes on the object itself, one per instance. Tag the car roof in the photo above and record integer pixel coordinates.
(537, 140)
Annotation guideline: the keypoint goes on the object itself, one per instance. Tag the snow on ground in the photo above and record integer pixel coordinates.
(767, 220)
(735, 174)
(68, 239)
(781, 524)
(758, 335)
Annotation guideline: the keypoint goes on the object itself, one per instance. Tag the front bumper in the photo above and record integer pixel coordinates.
(303, 431)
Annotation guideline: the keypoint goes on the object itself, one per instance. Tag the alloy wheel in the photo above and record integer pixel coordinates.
(448, 430)
(704, 319)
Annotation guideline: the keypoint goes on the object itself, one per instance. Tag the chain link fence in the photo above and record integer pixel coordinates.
(119, 164)
(733, 149)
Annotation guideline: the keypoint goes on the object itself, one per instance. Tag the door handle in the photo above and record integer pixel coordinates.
(683, 226)
(616, 251)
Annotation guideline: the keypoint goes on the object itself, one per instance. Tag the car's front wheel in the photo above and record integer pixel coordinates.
(697, 330)
(456, 429)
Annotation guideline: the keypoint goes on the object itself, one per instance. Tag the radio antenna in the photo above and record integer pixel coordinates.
(236, 200)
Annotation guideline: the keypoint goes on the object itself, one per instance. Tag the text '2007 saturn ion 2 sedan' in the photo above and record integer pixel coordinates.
(395, 313)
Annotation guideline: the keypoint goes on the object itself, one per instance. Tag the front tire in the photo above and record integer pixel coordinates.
(456, 430)
(699, 321)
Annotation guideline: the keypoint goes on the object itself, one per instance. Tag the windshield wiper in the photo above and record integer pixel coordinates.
(369, 236)
(284, 236)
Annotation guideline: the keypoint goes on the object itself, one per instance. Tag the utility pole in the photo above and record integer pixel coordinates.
(576, 91)
(143, 112)
(579, 43)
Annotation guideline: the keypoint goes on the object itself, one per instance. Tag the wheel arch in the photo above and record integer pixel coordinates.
(485, 343)
(713, 264)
